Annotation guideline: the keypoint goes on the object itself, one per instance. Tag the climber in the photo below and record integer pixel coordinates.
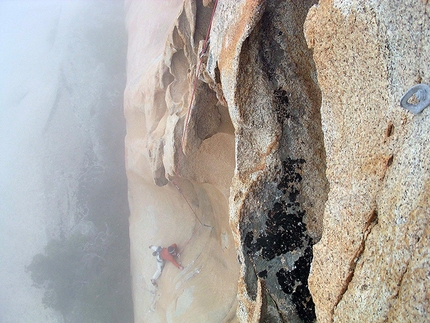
(163, 254)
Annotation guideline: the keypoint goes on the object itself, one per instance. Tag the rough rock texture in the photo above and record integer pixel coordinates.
(171, 194)
(279, 188)
(372, 263)
(296, 155)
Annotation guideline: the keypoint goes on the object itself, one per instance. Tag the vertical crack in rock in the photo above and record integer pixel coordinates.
(280, 164)
(399, 284)
(374, 47)
(370, 223)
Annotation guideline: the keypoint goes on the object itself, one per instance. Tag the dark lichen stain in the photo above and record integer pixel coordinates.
(295, 282)
(304, 305)
(270, 51)
(292, 169)
(285, 232)
(281, 104)
(263, 274)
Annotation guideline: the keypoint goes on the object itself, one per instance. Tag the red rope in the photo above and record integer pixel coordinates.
(205, 45)
(180, 191)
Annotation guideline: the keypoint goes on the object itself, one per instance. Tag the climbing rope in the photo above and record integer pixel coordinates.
(189, 205)
(204, 49)
(187, 119)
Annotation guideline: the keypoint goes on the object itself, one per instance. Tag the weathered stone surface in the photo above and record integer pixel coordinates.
(370, 260)
(171, 193)
(279, 188)
(295, 137)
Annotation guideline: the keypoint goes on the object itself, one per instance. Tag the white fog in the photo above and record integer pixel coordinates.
(62, 76)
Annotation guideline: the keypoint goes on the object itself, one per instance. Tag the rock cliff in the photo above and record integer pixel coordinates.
(372, 262)
(279, 160)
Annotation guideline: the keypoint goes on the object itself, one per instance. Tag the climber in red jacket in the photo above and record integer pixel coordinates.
(162, 255)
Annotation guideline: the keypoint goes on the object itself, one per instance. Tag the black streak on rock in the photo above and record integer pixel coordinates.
(281, 104)
(285, 232)
(263, 274)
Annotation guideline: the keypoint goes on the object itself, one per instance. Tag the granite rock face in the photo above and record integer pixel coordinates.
(372, 263)
(292, 180)
(279, 187)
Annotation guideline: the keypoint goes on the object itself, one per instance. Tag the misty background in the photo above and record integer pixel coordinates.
(64, 253)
